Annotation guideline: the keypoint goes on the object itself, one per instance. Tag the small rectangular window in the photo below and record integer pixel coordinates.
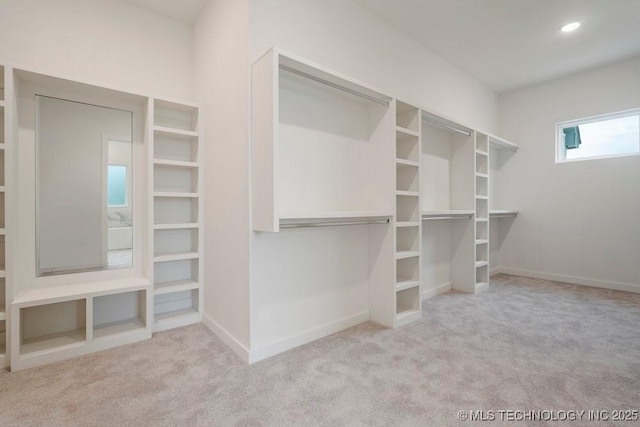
(611, 135)
(117, 186)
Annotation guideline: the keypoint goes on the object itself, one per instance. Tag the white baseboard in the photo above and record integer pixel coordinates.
(306, 337)
(226, 338)
(583, 281)
(430, 293)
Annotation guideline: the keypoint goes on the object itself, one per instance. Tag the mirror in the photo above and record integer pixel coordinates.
(84, 187)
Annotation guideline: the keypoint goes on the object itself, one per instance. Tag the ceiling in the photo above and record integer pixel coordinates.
(507, 44)
(186, 11)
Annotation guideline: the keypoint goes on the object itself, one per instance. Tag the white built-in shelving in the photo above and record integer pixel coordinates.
(5, 283)
(177, 215)
(482, 211)
(408, 226)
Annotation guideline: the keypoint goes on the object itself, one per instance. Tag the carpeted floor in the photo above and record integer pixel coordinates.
(524, 344)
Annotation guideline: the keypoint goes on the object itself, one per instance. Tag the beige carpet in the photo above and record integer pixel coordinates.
(522, 345)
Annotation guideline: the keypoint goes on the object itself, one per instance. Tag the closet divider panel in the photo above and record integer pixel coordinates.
(5, 180)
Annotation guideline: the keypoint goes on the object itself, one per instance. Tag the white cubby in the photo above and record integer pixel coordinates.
(408, 208)
(407, 270)
(175, 241)
(169, 178)
(50, 327)
(118, 314)
(175, 148)
(407, 116)
(175, 210)
(408, 239)
(174, 116)
(172, 276)
(407, 146)
(482, 163)
(482, 209)
(482, 185)
(407, 178)
(482, 230)
(407, 301)
(482, 252)
(176, 308)
(482, 274)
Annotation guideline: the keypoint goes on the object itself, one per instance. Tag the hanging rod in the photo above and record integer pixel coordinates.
(332, 224)
(464, 132)
(430, 218)
(333, 85)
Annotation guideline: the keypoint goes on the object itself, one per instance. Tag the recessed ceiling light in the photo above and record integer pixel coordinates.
(570, 27)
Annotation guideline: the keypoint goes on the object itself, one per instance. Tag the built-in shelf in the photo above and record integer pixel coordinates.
(175, 163)
(176, 257)
(117, 328)
(177, 286)
(53, 342)
(406, 131)
(407, 162)
(178, 226)
(408, 193)
(502, 143)
(481, 264)
(482, 153)
(166, 131)
(408, 224)
(482, 197)
(407, 254)
(481, 242)
(406, 284)
(503, 212)
(403, 311)
(334, 215)
(482, 175)
(175, 194)
(81, 290)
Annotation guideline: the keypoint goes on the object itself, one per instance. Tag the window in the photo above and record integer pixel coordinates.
(611, 135)
(117, 186)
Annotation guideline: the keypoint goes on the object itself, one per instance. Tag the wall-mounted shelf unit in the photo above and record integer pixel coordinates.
(482, 211)
(304, 118)
(52, 324)
(408, 241)
(177, 215)
(5, 285)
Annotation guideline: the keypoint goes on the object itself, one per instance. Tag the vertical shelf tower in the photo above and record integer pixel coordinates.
(482, 211)
(4, 286)
(176, 235)
(408, 226)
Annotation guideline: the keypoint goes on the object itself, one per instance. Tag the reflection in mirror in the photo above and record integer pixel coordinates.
(83, 188)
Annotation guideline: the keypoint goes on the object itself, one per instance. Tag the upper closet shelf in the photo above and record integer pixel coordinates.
(448, 214)
(333, 219)
(502, 213)
(501, 143)
(315, 72)
(162, 130)
(445, 124)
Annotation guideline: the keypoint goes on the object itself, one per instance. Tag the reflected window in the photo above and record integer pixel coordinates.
(117, 186)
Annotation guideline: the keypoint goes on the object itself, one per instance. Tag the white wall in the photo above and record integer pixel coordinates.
(341, 35)
(221, 64)
(104, 42)
(300, 285)
(578, 219)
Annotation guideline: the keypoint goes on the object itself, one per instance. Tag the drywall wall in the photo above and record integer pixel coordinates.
(342, 35)
(221, 65)
(579, 220)
(109, 43)
(307, 284)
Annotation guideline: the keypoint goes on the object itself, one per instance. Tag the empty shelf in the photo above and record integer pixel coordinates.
(177, 286)
(174, 194)
(479, 197)
(407, 254)
(175, 163)
(407, 193)
(162, 130)
(502, 143)
(482, 153)
(482, 175)
(481, 242)
(177, 226)
(448, 214)
(407, 224)
(53, 342)
(407, 162)
(503, 212)
(117, 328)
(176, 257)
(407, 131)
(481, 264)
(406, 284)
(334, 215)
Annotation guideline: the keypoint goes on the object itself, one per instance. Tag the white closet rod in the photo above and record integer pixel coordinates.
(430, 218)
(464, 132)
(331, 224)
(333, 85)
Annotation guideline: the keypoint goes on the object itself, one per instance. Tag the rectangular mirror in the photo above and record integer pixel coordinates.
(84, 185)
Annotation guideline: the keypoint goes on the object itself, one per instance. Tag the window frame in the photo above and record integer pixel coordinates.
(561, 151)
